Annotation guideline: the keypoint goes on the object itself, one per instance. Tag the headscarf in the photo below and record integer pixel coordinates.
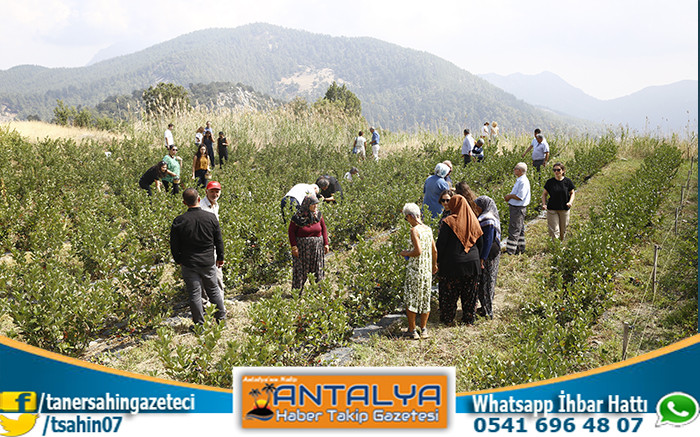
(442, 170)
(463, 221)
(489, 214)
(304, 216)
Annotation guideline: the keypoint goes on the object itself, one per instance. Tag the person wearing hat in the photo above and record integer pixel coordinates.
(210, 204)
(433, 187)
(197, 246)
(309, 240)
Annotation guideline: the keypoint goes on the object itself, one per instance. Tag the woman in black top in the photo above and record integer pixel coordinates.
(459, 266)
(561, 192)
(154, 174)
(208, 141)
(222, 146)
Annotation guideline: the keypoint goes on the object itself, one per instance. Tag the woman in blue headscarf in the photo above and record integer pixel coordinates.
(490, 223)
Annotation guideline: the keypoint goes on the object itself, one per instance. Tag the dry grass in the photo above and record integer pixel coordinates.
(39, 130)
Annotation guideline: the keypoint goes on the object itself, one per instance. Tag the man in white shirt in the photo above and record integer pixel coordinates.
(540, 150)
(518, 200)
(210, 204)
(169, 141)
(467, 146)
(292, 200)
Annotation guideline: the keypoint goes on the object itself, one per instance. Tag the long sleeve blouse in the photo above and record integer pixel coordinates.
(453, 261)
(315, 230)
(489, 238)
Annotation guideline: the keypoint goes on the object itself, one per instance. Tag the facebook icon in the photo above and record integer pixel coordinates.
(17, 401)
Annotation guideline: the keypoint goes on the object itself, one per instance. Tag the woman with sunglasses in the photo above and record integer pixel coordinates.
(174, 163)
(561, 192)
(445, 197)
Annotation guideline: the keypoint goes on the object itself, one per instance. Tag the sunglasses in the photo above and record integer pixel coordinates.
(444, 200)
(557, 169)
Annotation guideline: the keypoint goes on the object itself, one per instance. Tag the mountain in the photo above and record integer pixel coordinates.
(119, 49)
(667, 108)
(399, 88)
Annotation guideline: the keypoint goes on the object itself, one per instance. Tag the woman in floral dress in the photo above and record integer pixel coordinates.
(422, 264)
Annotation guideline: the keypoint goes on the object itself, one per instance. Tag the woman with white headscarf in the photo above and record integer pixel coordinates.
(309, 240)
(434, 186)
(490, 223)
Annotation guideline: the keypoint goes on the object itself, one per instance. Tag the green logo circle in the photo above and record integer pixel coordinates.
(676, 409)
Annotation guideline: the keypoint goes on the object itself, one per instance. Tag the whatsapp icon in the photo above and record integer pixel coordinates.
(676, 409)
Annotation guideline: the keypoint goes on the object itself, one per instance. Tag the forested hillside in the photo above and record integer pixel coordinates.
(399, 88)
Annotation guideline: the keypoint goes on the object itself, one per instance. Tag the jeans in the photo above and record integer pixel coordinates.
(203, 278)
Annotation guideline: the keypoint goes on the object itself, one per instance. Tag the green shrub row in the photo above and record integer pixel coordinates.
(553, 331)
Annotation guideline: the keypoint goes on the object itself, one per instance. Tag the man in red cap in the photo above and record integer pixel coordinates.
(210, 203)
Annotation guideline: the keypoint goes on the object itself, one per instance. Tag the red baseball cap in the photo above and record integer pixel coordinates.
(213, 184)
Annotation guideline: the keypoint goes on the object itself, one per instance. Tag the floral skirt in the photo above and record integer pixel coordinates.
(311, 260)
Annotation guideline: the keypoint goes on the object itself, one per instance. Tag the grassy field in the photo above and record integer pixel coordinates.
(253, 188)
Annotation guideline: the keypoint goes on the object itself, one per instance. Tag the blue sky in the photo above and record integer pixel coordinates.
(606, 48)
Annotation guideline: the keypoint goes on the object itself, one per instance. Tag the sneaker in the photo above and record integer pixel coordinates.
(424, 333)
(414, 335)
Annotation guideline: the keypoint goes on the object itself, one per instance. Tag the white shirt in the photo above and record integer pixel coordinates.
(467, 145)
(360, 143)
(299, 191)
(169, 141)
(198, 137)
(521, 188)
(206, 205)
(539, 149)
(484, 131)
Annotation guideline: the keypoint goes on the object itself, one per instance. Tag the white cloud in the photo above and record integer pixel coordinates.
(603, 47)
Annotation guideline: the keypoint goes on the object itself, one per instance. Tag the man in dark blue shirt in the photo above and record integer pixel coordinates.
(194, 238)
